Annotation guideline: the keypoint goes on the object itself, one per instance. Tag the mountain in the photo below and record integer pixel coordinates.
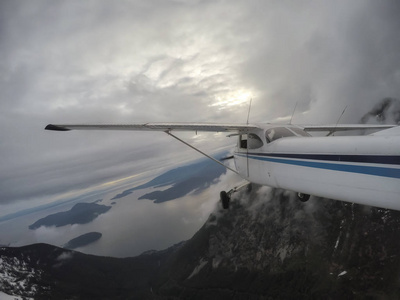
(192, 177)
(83, 240)
(271, 245)
(80, 213)
(268, 245)
(47, 272)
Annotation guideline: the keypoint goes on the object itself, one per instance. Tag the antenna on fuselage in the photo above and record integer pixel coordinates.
(294, 110)
(333, 131)
(248, 113)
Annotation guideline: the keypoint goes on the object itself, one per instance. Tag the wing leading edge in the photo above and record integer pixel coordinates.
(212, 127)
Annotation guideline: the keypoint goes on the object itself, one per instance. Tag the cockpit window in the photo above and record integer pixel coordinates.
(299, 131)
(254, 141)
(273, 134)
(250, 141)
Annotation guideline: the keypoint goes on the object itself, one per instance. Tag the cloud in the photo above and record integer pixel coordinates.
(65, 256)
(50, 234)
(141, 61)
(325, 56)
(385, 111)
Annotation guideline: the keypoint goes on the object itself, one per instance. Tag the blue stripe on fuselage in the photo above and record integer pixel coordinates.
(373, 159)
(321, 164)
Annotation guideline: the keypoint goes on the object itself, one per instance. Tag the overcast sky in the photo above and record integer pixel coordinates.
(151, 61)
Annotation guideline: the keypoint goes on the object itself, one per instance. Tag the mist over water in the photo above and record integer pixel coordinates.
(130, 227)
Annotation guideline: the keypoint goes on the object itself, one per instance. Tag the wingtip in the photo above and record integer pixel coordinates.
(56, 128)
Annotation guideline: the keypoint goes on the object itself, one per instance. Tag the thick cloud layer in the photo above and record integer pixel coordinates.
(141, 61)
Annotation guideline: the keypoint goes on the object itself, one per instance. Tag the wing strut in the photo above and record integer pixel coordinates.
(201, 152)
(247, 147)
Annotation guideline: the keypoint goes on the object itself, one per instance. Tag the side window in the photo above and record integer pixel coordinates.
(254, 141)
(273, 134)
(269, 135)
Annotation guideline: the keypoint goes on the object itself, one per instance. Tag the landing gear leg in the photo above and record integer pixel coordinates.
(303, 197)
(225, 199)
(226, 196)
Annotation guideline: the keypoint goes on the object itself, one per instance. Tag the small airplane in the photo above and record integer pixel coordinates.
(363, 169)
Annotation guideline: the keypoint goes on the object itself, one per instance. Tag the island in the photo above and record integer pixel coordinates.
(83, 240)
(80, 213)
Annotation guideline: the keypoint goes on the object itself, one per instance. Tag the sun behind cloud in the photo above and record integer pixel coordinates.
(237, 97)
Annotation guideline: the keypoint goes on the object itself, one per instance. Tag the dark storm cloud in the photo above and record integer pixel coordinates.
(141, 61)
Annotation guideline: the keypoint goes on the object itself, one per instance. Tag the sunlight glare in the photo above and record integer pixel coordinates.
(237, 97)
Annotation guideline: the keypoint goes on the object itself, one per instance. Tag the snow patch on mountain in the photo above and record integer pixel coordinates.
(5, 296)
(17, 277)
(197, 269)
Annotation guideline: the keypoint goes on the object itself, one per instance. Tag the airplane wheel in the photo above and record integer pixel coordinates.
(303, 197)
(225, 199)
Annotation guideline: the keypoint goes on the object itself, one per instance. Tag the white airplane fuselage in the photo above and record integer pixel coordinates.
(360, 169)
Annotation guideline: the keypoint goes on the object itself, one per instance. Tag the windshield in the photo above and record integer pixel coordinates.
(299, 131)
(273, 134)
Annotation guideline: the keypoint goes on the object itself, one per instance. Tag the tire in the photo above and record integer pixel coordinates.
(303, 197)
(224, 199)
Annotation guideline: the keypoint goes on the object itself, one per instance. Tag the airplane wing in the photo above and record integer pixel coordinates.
(344, 127)
(213, 127)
